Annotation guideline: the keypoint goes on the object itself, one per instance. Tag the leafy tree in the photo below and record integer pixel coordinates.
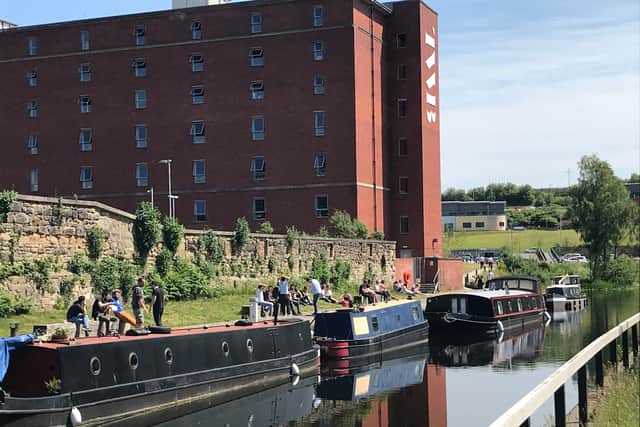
(164, 262)
(342, 225)
(292, 235)
(266, 228)
(635, 177)
(320, 269)
(146, 230)
(95, 242)
(172, 234)
(7, 199)
(213, 247)
(360, 229)
(600, 210)
(111, 273)
(241, 235)
(377, 235)
(455, 194)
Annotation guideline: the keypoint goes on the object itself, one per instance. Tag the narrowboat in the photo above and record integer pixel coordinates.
(101, 379)
(352, 333)
(506, 303)
(565, 293)
(522, 345)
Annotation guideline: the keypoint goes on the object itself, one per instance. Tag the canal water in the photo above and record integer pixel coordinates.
(444, 384)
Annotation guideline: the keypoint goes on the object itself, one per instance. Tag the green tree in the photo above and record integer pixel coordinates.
(164, 262)
(241, 233)
(172, 234)
(7, 199)
(213, 247)
(146, 230)
(600, 210)
(266, 228)
(95, 242)
(342, 225)
(360, 229)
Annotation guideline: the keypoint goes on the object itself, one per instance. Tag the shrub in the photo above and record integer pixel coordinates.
(266, 228)
(6, 304)
(271, 265)
(146, 230)
(95, 242)
(377, 235)
(164, 262)
(323, 232)
(292, 235)
(79, 264)
(320, 269)
(290, 263)
(241, 233)
(7, 199)
(22, 304)
(172, 234)
(14, 239)
(360, 229)
(342, 225)
(113, 273)
(185, 282)
(340, 274)
(622, 271)
(38, 272)
(213, 247)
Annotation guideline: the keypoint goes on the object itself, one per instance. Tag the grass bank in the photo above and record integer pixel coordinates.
(620, 404)
(515, 241)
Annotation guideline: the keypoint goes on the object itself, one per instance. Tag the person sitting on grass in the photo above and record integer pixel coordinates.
(294, 300)
(327, 295)
(77, 314)
(304, 296)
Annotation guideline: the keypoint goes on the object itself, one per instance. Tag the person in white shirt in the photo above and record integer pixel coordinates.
(316, 291)
(265, 305)
(327, 295)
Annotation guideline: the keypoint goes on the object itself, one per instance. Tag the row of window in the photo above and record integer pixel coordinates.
(479, 224)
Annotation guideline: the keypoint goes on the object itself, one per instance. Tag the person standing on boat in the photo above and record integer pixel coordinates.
(116, 297)
(157, 303)
(137, 303)
(283, 298)
(77, 314)
(316, 291)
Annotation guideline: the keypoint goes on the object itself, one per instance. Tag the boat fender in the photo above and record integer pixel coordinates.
(548, 316)
(243, 323)
(295, 370)
(500, 326)
(75, 416)
(160, 329)
(295, 380)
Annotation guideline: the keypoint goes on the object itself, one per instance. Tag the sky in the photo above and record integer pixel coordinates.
(526, 88)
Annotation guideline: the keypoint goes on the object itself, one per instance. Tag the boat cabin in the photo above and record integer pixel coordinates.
(568, 279)
(485, 303)
(524, 283)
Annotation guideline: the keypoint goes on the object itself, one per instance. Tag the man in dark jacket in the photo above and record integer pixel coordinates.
(76, 314)
(157, 303)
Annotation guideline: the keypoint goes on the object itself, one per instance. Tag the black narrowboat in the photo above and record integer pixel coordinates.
(101, 379)
(351, 333)
(507, 303)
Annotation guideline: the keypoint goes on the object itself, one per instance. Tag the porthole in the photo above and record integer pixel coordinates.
(133, 360)
(225, 348)
(250, 345)
(95, 366)
(168, 355)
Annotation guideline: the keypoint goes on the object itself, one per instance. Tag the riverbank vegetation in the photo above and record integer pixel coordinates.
(619, 405)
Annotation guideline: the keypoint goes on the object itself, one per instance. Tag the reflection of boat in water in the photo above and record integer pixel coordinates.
(565, 294)
(523, 346)
(507, 304)
(567, 322)
(273, 407)
(389, 375)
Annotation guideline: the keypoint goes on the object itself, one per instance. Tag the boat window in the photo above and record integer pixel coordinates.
(95, 366)
(374, 324)
(463, 306)
(250, 345)
(133, 360)
(168, 355)
(416, 315)
(499, 307)
(454, 305)
(519, 301)
(225, 348)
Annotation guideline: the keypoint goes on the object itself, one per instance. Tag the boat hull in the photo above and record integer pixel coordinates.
(478, 326)
(559, 303)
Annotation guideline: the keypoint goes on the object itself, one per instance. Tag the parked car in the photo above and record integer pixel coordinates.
(575, 259)
(531, 251)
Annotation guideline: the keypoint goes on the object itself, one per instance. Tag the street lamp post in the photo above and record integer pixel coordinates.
(169, 196)
(150, 191)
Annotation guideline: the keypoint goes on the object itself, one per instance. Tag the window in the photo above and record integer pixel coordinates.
(479, 224)
(401, 40)
(501, 223)
(86, 143)
(32, 78)
(318, 123)
(499, 309)
(142, 175)
(197, 62)
(32, 46)
(257, 168)
(402, 72)
(403, 147)
(86, 177)
(259, 212)
(374, 324)
(197, 132)
(84, 40)
(33, 180)
(141, 99)
(404, 224)
(318, 16)
(256, 22)
(402, 108)
(85, 72)
(197, 95)
(85, 104)
(196, 30)
(141, 136)
(199, 172)
(32, 144)
(403, 184)
(139, 67)
(32, 108)
(318, 85)
(257, 128)
(139, 33)
(320, 164)
(318, 51)
(256, 58)
(466, 225)
(322, 206)
(199, 210)
(257, 89)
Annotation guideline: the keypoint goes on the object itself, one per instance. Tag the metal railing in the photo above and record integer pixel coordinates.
(519, 413)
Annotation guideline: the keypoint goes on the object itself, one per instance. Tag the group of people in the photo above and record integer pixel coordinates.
(107, 307)
(287, 298)
(478, 280)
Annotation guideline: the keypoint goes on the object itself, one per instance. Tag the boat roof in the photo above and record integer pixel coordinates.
(190, 330)
(514, 277)
(381, 305)
(565, 275)
(489, 294)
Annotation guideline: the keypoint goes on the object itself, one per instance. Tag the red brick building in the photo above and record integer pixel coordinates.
(279, 110)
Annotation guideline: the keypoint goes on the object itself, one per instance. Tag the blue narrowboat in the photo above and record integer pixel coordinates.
(348, 334)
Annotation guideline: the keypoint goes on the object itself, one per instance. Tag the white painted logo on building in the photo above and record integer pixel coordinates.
(431, 100)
